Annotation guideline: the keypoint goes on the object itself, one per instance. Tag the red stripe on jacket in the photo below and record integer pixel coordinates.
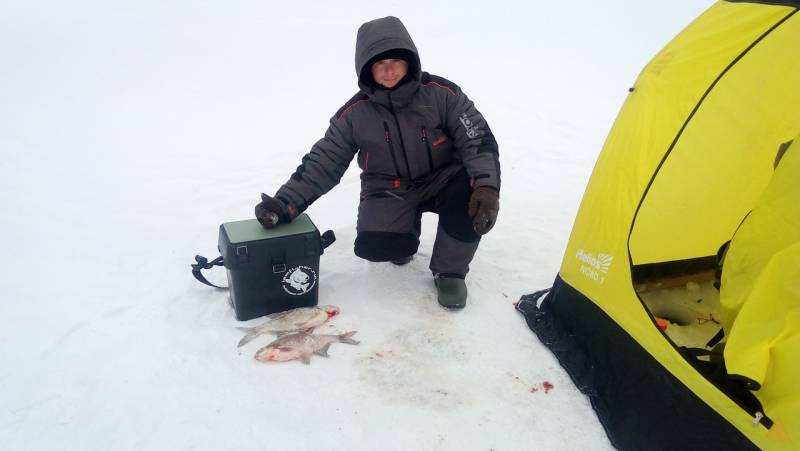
(439, 86)
(351, 107)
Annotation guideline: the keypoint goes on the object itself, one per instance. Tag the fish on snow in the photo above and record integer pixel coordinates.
(303, 318)
(301, 346)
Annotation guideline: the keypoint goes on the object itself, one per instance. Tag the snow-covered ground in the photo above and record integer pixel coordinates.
(130, 130)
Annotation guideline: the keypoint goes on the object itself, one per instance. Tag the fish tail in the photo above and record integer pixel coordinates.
(250, 334)
(347, 338)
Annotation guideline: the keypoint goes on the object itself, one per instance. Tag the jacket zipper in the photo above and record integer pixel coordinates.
(400, 134)
(388, 137)
(428, 146)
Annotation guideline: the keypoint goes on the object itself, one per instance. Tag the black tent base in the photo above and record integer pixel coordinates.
(641, 405)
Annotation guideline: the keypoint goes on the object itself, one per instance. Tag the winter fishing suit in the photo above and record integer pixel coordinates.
(421, 146)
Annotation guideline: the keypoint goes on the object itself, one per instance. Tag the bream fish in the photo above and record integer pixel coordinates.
(303, 318)
(301, 346)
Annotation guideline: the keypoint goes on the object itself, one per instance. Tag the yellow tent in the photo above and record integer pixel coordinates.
(760, 297)
(687, 167)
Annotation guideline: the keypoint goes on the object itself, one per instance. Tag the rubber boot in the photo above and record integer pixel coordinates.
(403, 261)
(452, 292)
(451, 256)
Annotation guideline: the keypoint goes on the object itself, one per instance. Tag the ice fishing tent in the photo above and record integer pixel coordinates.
(688, 166)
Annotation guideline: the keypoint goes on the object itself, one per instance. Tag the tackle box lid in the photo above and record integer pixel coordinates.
(251, 230)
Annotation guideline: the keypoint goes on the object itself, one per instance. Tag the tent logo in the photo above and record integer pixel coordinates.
(593, 267)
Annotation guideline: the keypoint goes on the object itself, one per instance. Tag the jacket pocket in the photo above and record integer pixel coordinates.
(427, 143)
(439, 147)
(375, 158)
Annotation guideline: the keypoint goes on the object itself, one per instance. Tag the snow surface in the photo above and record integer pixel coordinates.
(130, 130)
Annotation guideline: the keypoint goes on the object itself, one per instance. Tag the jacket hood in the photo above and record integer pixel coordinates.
(378, 36)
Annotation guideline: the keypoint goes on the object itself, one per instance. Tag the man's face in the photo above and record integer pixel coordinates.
(388, 73)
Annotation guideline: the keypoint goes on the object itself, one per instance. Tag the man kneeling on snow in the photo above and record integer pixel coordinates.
(422, 147)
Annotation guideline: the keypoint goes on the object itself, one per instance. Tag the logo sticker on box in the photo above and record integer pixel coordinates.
(299, 280)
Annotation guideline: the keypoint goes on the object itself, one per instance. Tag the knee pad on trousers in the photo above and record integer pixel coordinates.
(459, 227)
(385, 246)
(453, 206)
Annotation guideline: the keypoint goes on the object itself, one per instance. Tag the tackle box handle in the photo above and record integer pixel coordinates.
(202, 263)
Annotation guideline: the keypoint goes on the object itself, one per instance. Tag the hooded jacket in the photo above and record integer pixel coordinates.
(402, 136)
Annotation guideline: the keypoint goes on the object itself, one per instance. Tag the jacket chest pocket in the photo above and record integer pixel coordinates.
(437, 145)
(375, 157)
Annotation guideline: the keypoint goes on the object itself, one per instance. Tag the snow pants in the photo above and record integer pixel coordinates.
(389, 222)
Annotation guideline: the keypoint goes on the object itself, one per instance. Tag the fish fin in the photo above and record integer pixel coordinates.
(250, 334)
(323, 351)
(346, 338)
(281, 333)
(277, 314)
(305, 359)
(302, 325)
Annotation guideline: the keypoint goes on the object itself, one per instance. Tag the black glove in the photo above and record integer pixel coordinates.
(483, 207)
(270, 212)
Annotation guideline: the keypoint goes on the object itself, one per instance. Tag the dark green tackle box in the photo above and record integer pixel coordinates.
(272, 270)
